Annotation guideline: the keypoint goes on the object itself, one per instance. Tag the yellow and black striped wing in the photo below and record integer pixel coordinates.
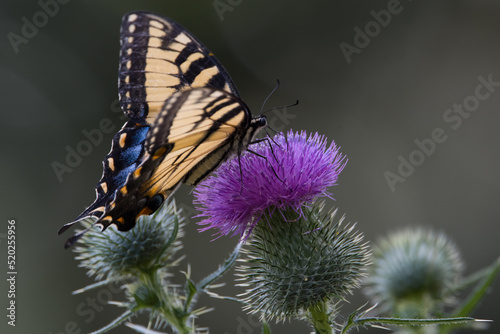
(195, 131)
(158, 57)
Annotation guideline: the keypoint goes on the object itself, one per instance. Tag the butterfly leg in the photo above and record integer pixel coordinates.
(267, 139)
(241, 173)
(263, 157)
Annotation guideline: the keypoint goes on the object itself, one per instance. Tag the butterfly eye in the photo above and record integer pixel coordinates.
(263, 121)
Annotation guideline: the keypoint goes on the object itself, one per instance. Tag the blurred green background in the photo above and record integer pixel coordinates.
(395, 90)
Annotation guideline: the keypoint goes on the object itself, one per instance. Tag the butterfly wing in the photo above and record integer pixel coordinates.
(158, 58)
(195, 131)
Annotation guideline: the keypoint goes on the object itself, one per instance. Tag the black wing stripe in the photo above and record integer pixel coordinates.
(221, 105)
(131, 68)
(188, 50)
(147, 38)
(185, 165)
(219, 154)
(208, 132)
(159, 59)
(217, 80)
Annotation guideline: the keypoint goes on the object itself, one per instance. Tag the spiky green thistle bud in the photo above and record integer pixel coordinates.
(295, 263)
(112, 254)
(412, 272)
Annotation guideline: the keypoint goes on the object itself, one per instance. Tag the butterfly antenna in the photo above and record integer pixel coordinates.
(267, 98)
(282, 107)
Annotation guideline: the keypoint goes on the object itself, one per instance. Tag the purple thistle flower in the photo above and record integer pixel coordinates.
(233, 199)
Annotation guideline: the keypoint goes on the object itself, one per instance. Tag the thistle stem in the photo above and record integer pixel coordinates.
(319, 318)
(174, 317)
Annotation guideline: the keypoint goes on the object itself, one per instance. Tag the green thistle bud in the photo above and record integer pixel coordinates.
(296, 264)
(112, 254)
(413, 272)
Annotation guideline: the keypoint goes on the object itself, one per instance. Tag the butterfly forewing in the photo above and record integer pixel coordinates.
(159, 57)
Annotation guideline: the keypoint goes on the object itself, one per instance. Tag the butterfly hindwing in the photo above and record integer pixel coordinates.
(195, 131)
(127, 152)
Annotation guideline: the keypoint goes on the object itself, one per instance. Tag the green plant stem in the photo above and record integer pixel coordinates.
(479, 291)
(485, 277)
(174, 317)
(405, 322)
(320, 319)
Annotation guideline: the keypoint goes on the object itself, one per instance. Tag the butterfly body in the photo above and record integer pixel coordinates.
(186, 118)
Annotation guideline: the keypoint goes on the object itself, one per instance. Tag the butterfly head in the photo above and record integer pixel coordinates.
(257, 123)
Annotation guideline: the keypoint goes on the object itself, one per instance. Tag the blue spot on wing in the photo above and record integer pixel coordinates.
(121, 176)
(125, 161)
(131, 153)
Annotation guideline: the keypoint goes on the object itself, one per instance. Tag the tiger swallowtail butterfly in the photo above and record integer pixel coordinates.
(185, 119)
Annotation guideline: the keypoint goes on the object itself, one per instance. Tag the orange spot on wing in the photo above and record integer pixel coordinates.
(137, 172)
(107, 219)
(159, 152)
(145, 211)
(122, 140)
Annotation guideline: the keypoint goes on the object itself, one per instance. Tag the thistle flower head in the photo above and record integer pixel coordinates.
(412, 272)
(113, 254)
(293, 266)
(295, 171)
